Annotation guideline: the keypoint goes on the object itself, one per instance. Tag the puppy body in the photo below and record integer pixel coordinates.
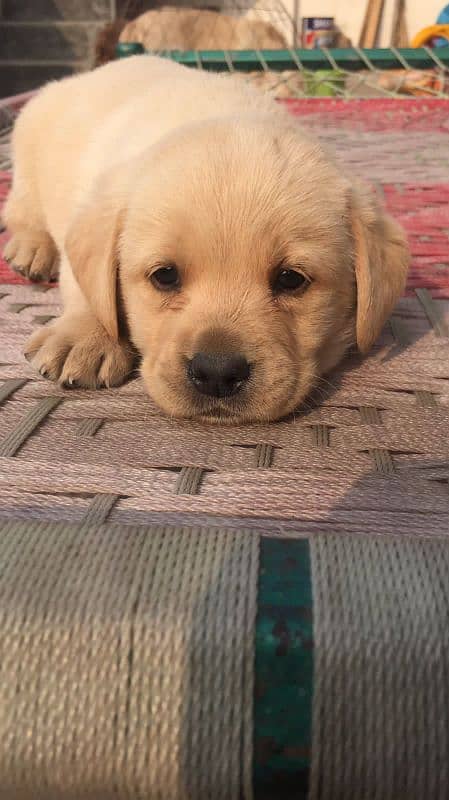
(80, 128)
(170, 28)
(143, 164)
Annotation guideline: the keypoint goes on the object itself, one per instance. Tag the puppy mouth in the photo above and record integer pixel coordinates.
(217, 410)
(242, 409)
(217, 415)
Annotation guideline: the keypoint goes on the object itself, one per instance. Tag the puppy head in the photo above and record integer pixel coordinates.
(247, 264)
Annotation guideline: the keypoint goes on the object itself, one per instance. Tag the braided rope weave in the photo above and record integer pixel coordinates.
(381, 682)
(126, 663)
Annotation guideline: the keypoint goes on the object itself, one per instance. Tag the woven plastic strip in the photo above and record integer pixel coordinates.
(127, 662)
(13, 442)
(9, 387)
(381, 680)
(128, 656)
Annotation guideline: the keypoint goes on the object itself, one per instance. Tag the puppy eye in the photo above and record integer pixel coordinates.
(166, 278)
(290, 280)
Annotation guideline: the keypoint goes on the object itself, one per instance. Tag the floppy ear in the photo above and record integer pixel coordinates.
(381, 264)
(91, 246)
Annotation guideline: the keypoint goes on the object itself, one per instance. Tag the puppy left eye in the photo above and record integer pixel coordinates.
(166, 278)
(290, 280)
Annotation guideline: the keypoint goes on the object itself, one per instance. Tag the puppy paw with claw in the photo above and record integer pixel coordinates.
(77, 352)
(33, 257)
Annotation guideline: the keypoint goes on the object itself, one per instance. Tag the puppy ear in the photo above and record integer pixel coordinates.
(92, 249)
(381, 264)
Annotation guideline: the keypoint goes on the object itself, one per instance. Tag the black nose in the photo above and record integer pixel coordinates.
(218, 374)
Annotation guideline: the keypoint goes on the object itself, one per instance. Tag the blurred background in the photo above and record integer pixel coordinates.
(45, 39)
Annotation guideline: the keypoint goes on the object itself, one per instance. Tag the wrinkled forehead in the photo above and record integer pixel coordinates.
(237, 201)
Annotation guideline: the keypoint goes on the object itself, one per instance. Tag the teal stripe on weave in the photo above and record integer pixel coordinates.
(283, 671)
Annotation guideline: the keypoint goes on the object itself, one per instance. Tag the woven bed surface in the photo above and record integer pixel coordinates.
(369, 453)
(110, 687)
(381, 646)
(131, 669)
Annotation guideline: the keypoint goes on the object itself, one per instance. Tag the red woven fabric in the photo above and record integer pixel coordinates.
(422, 208)
(423, 211)
(384, 114)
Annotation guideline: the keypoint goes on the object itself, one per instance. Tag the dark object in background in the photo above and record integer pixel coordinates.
(106, 41)
(107, 38)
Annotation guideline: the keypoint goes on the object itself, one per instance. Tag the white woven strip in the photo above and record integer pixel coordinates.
(127, 665)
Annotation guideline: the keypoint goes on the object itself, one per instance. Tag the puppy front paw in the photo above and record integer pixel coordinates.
(33, 256)
(77, 352)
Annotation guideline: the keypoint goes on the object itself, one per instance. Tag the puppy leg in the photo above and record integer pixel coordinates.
(31, 251)
(32, 254)
(75, 349)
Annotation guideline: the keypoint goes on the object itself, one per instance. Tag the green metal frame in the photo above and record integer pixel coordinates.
(348, 59)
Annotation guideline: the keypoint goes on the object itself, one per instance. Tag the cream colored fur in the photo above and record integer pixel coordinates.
(143, 163)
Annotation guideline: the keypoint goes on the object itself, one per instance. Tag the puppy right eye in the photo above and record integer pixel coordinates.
(166, 278)
(290, 280)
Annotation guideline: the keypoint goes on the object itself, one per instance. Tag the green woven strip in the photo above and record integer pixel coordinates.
(100, 508)
(278, 60)
(264, 455)
(284, 671)
(432, 311)
(10, 386)
(27, 425)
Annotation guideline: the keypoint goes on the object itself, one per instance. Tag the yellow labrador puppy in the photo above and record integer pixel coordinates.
(194, 222)
(171, 28)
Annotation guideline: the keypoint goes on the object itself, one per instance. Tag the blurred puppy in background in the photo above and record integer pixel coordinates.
(171, 28)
